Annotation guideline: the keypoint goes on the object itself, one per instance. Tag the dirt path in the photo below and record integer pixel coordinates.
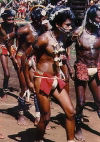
(16, 133)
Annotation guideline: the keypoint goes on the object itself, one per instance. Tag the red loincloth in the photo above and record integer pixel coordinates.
(19, 55)
(21, 9)
(82, 72)
(46, 83)
(3, 50)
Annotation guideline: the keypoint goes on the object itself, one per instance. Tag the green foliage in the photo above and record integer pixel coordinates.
(5, 1)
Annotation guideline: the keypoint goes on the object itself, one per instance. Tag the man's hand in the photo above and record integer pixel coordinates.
(31, 86)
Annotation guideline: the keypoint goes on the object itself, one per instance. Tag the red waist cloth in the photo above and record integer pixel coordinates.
(19, 55)
(3, 50)
(82, 72)
(21, 9)
(46, 83)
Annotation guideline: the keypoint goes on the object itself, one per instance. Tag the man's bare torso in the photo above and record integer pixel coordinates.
(45, 55)
(88, 48)
(26, 37)
(4, 30)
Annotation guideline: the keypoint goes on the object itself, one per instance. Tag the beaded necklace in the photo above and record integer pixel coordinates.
(58, 50)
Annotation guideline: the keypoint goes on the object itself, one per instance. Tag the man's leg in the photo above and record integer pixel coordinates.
(44, 105)
(68, 108)
(21, 100)
(22, 108)
(37, 110)
(94, 86)
(21, 111)
(80, 87)
(4, 62)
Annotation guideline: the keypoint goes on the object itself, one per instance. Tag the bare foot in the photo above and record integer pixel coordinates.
(22, 120)
(1, 136)
(48, 127)
(79, 136)
(4, 94)
(37, 119)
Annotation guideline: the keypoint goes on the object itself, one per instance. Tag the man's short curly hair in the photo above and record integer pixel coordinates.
(59, 14)
(37, 12)
(91, 14)
(8, 13)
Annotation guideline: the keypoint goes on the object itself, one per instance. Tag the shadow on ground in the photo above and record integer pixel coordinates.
(14, 113)
(26, 136)
(60, 118)
(10, 92)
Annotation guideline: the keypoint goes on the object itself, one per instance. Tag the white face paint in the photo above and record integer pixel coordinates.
(90, 39)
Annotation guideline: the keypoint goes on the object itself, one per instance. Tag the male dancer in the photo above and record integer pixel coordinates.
(27, 36)
(87, 65)
(50, 58)
(6, 44)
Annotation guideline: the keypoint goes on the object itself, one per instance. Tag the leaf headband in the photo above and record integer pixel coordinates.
(52, 16)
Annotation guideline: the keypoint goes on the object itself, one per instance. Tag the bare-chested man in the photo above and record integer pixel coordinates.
(48, 78)
(6, 47)
(27, 36)
(64, 34)
(7, 35)
(87, 65)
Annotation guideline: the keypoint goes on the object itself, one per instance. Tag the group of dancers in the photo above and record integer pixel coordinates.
(40, 54)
